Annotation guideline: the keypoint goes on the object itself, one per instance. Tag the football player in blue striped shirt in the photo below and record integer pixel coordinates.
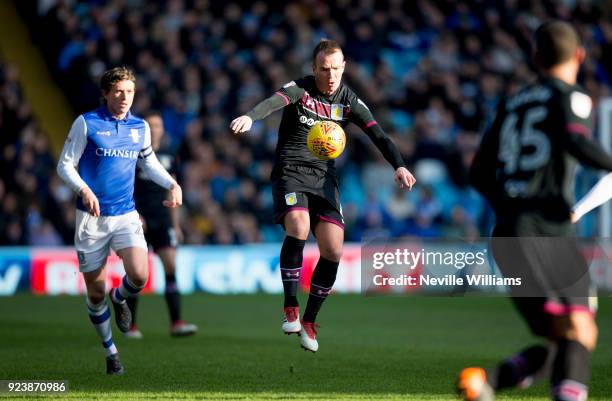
(98, 162)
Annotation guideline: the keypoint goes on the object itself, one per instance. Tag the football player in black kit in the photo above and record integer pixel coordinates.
(525, 168)
(305, 189)
(162, 232)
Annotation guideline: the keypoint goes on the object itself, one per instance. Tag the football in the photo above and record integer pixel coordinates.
(326, 140)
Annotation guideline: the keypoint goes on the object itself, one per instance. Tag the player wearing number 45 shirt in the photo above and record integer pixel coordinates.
(105, 145)
(305, 189)
(525, 168)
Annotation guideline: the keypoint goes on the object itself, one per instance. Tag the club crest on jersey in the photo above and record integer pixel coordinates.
(135, 135)
(291, 198)
(337, 112)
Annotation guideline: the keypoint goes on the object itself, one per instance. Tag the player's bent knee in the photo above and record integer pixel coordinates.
(96, 296)
(297, 225)
(333, 253)
(139, 276)
(585, 332)
(139, 279)
(578, 326)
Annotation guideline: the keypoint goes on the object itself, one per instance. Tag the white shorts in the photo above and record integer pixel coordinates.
(94, 236)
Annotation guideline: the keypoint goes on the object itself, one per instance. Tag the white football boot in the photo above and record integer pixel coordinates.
(308, 336)
(291, 321)
(182, 329)
(133, 333)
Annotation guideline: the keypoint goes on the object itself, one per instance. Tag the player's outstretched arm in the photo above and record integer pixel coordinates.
(260, 111)
(361, 115)
(288, 94)
(597, 196)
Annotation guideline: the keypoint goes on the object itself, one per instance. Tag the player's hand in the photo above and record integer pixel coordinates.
(90, 201)
(176, 197)
(574, 217)
(241, 124)
(404, 178)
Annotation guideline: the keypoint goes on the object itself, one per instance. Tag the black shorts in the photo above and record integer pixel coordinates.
(554, 273)
(159, 231)
(161, 237)
(309, 189)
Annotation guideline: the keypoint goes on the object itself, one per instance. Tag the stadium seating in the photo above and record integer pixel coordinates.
(431, 71)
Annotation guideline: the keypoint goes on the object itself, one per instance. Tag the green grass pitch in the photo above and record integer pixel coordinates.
(407, 348)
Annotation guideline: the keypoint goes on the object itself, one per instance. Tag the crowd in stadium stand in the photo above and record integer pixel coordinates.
(29, 191)
(431, 71)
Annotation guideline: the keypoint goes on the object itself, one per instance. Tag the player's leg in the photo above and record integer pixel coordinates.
(132, 302)
(533, 362)
(129, 243)
(577, 333)
(296, 222)
(564, 360)
(330, 238)
(167, 254)
(91, 243)
(542, 361)
(134, 332)
(291, 211)
(573, 323)
(135, 262)
(329, 232)
(519, 370)
(99, 315)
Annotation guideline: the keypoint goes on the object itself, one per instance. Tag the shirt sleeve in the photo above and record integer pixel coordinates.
(361, 115)
(288, 94)
(577, 110)
(150, 165)
(74, 146)
(597, 196)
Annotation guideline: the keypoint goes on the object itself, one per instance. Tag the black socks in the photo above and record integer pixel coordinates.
(291, 267)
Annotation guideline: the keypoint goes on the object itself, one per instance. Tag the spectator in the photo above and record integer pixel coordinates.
(434, 71)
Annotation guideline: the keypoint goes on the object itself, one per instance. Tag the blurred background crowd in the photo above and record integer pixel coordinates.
(432, 72)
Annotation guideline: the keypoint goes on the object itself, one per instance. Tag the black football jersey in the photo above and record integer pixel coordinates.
(527, 158)
(149, 195)
(305, 105)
